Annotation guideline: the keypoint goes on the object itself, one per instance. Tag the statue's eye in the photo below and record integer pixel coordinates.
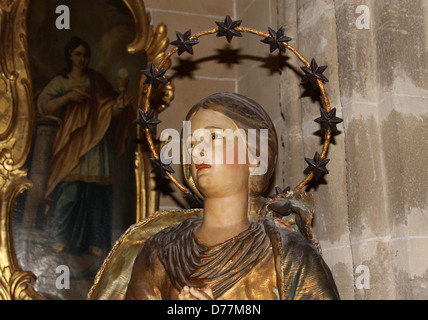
(190, 144)
(215, 136)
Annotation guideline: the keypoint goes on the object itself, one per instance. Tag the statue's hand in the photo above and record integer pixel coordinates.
(294, 207)
(196, 294)
(298, 202)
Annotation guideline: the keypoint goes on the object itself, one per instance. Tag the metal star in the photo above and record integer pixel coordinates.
(279, 191)
(276, 39)
(160, 168)
(227, 28)
(146, 120)
(183, 42)
(313, 73)
(329, 120)
(193, 200)
(153, 77)
(317, 166)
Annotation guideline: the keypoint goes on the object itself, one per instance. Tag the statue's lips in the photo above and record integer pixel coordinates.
(202, 166)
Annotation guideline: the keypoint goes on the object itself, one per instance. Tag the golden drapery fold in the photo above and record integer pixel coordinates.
(83, 126)
(187, 261)
(292, 269)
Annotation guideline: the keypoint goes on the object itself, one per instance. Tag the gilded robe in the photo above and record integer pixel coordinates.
(268, 261)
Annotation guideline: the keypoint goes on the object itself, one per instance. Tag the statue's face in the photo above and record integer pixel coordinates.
(212, 147)
(80, 57)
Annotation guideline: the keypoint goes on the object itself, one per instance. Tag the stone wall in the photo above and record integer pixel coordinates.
(373, 211)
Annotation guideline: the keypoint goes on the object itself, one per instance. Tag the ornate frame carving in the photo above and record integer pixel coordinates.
(17, 119)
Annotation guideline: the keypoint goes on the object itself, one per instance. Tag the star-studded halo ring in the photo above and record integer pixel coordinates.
(277, 40)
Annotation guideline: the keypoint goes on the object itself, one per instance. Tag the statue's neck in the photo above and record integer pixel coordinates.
(224, 218)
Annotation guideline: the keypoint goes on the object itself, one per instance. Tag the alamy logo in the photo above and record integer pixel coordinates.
(217, 146)
(363, 20)
(63, 280)
(63, 20)
(363, 280)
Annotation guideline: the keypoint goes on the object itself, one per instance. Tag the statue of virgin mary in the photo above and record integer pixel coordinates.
(234, 248)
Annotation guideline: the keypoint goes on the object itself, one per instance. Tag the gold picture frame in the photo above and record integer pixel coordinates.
(17, 121)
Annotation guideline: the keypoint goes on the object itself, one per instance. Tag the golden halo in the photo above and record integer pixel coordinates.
(237, 30)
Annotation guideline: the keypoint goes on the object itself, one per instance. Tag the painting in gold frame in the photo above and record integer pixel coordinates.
(30, 56)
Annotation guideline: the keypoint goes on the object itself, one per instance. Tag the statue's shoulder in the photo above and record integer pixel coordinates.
(286, 238)
(113, 276)
(159, 221)
(174, 229)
